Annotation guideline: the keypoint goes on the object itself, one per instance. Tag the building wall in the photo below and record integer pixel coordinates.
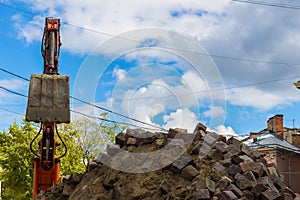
(288, 165)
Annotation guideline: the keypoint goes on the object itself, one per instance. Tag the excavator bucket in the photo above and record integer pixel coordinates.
(48, 99)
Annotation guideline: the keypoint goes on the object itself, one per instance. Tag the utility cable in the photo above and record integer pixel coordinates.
(112, 121)
(119, 114)
(10, 111)
(16, 75)
(107, 110)
(193, 92)
(265, 3)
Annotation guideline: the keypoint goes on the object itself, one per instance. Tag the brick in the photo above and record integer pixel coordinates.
(248, 195)
(250, 176)
(174, 131)
(246, 158)
(226, 162)
(233, 150)
(233, 170)
(236, 159)
(202, 194)
(270, 195)
(258, 189)
(266, 181)
(234, 141)
(112, 149)
(180, 163)
(235, 190)
(256, 168)
(200, 126)
(120, 139)
(215, 154)
(224, 182)
(242, 182)
(219, 167)
(227, 195)
(141, 136)
(221, 146)
(189, 172)
(131, 141)
(210, 184)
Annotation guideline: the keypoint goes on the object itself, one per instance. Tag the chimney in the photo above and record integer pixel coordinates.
(275, 124)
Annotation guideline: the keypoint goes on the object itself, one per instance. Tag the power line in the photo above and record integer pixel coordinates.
(116, 113)
(12, 92)
(111, 121)
(16, 75)
(10, 111)
(167, 96)
(165, 47)
(265, 3)
(99, 107)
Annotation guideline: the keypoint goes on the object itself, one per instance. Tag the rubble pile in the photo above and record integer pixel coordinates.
(175, 165)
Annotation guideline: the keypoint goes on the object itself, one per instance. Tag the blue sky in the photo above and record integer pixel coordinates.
(149, 60)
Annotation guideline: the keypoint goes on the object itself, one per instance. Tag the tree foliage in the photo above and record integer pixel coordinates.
(84, 138)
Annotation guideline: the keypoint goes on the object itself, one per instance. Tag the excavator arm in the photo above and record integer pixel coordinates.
(48, 103)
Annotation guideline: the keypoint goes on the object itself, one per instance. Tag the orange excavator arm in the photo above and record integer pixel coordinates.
(48, 103)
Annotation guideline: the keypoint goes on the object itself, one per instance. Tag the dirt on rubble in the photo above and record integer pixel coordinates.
(201, 165)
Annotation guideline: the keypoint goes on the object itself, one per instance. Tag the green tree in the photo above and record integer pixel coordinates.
(84, 138)
(16, 161)
(95, 135)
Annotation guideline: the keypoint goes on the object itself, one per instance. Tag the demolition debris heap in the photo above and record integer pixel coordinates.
(202, 165)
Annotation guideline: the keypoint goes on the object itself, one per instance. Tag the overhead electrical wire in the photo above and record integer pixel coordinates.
(10, 111)
(167, 96)
(164, 47)
(113, 121)
(107, 110)
(266, 3)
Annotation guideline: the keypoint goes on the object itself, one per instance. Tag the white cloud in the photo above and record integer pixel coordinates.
(193, 16)
(214, 111)
(253, 97)
(181, 118)
(119, 73)
(225, 131)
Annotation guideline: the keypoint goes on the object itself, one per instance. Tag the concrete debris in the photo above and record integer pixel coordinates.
(201, 165)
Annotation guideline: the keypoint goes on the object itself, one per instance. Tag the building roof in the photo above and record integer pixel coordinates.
(269, 139)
